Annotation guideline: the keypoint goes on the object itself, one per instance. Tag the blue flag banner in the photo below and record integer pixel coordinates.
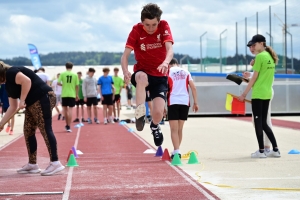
(35, 58)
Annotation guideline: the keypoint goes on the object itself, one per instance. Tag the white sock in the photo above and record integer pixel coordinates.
(176, 151)
(55, 162)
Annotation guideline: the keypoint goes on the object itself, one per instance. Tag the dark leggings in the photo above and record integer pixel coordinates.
(39, 115)
(260, 111)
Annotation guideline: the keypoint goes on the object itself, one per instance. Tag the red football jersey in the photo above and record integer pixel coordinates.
(149, 49)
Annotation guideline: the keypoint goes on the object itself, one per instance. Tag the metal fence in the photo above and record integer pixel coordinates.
(271, 23)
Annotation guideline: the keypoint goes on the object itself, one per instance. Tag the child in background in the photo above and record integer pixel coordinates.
(57, 90)
(89, 90)
(80, 101)
(5, 105)
(106, 90)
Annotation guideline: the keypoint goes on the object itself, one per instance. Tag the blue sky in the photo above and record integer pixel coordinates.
(90, 25)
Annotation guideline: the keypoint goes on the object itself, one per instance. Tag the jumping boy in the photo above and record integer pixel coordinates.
(151, 40)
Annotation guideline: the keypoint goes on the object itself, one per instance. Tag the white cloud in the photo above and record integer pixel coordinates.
(104, 25)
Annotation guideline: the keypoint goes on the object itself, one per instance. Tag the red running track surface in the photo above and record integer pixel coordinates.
(112, 166)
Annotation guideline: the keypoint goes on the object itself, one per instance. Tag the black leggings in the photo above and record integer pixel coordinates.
(260, 111)
(39, 115)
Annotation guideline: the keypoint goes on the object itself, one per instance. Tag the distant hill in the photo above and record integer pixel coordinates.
(113, 58)
(82, 58)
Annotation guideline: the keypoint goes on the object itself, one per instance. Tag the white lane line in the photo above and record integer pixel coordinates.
(187, 178)
(10, 142)
(70, 173)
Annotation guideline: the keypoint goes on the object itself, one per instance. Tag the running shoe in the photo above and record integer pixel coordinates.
(140, 115)
(97, 121)
(29, 169)
(89, 121)
(76, 120)
(157, 136)
(52, 169)
(272, 153)
(162, 122)
(63, 118)
(83, 120)
(11, 132)
(116, 120)
(257, 154)
(68, 129)
(105, 121)
(111, 121)
(59, 116)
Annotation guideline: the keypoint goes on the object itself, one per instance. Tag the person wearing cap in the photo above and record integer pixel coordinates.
(248, 75)
(179, 101)
(261, 84)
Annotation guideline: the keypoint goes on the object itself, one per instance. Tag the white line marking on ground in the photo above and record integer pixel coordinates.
(187, 178)
(70, 173)
(10, 142)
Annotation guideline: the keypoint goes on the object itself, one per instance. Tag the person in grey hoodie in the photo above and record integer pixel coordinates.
(89, 90)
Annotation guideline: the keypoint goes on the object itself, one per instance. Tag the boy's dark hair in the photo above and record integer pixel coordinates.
(42, 69)
(151, 11)
(69, 65)
(116, 69)
(35, 71)
(79, 73)
(92, 70)
(106, 69)
(174, 61)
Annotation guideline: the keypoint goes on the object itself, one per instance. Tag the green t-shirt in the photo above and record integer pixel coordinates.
(118, 84)
(80, 94)
(69, 80)
(265, 66)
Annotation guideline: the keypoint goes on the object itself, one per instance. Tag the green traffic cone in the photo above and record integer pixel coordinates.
(176, 160)
(72, 161)
(193, 159)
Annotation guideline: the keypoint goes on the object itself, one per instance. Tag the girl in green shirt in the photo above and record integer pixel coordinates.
(261, 84)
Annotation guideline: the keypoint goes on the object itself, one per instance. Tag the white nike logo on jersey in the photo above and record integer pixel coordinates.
(141, 38)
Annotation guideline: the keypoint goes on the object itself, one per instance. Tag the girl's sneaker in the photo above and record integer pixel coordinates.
(257, 154)
(272, 153)
(11, 132)
(105, 121)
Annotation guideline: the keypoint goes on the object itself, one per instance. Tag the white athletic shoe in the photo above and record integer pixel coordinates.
(272, 153)
(105, 121)
(29, 169)
(257, 154)
(52, 169)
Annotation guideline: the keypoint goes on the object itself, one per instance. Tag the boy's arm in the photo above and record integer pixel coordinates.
(194, 93)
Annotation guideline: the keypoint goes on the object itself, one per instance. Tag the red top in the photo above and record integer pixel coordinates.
(149, 49)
